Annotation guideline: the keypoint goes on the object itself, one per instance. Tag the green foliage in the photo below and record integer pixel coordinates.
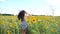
(45, 25)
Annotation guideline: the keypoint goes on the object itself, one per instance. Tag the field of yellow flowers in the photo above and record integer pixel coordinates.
(37, 25)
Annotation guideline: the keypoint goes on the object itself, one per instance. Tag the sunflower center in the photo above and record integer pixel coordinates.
(33, 20)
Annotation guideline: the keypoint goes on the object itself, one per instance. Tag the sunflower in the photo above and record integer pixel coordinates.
(27, 19)
(10, 24)
(52, 30)
(8, 31)
(40, 18)
(46, 26)
(3, 23)
(33, 19)
(14, 24)
(56, 24)
(19, 22)
(16, 27)
(46, 18)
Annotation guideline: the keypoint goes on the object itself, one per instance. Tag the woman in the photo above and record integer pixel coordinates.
(22, 16)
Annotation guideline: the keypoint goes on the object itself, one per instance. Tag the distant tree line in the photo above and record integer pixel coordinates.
(7, 14)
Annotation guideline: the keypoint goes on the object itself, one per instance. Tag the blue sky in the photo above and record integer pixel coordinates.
(38, 7)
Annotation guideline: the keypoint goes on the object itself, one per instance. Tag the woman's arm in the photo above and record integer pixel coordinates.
(27, 14)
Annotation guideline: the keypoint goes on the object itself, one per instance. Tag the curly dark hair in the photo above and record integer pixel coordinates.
(21, 15)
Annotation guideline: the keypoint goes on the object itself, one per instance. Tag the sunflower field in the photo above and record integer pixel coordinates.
(37, 25)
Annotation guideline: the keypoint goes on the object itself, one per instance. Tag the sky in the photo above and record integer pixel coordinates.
(35, 7)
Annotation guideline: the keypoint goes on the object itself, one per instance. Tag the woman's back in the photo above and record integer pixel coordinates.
(24, 24)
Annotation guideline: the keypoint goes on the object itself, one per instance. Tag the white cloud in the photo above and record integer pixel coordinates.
(39, 11)
(57, 12)
(56, 5)
(53, 2)
(2, 0)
